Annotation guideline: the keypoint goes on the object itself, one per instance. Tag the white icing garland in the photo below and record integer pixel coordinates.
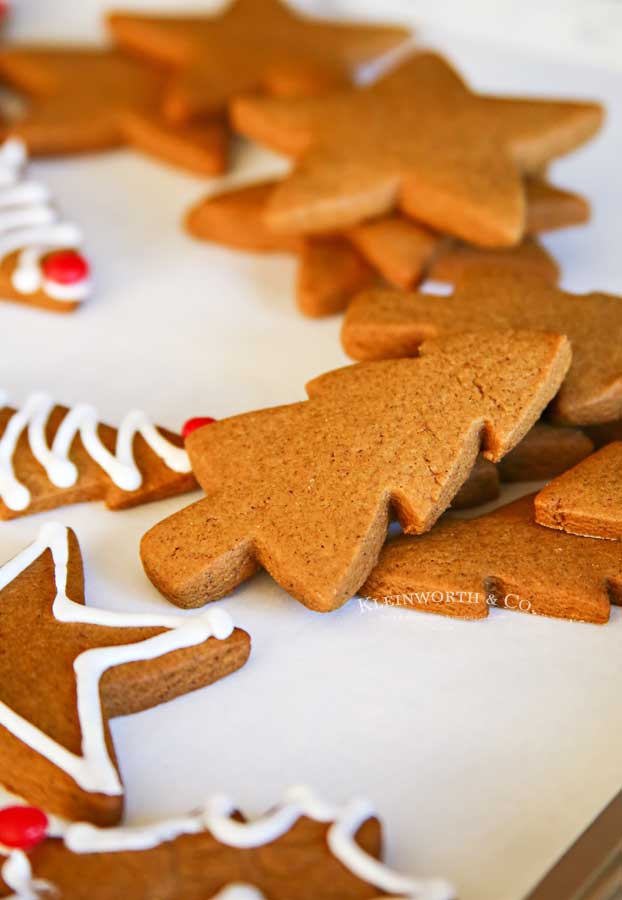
(216, 817)
(30, 224)
(82, 419)
(94, 770)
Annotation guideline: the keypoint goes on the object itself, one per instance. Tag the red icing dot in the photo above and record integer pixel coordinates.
(65, 267)
(192, 424)
(22, 827)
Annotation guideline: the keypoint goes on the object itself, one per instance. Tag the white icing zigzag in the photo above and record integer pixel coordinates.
(216, 817)
(30, 224)
(94, 770)
(81, 419)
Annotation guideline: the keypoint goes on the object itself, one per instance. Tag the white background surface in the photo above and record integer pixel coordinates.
(488, 746)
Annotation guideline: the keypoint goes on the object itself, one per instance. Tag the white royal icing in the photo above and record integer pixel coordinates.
(216, 817)
(120, 466)
(30, 224)
(94, 770)
(17, 875)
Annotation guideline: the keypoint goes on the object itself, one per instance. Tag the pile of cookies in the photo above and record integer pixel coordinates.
(414, 206)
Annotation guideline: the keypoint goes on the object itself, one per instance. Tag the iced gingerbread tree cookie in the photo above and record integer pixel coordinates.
(303, 848)
(51, 456)
(40, 259)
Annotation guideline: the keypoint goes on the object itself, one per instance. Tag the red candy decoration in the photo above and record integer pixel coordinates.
(22, 827)
(192, 424)
(65, 267)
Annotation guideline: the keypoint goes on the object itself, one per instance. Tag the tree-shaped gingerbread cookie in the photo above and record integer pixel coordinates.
(307, 490)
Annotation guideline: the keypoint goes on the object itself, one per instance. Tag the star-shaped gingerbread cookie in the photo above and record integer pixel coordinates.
(384, 324)
(306, 490)
(67, 668)
(505, 559)
(254, 45)
(333, 268)
(87, 99)
(418, 140)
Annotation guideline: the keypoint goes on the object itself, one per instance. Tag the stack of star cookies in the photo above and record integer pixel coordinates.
(412, 177)
(166, 82)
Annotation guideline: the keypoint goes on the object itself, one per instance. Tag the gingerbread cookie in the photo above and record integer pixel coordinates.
(453, 162)
(550, 207)
(200, 147)
(545, 452)
(586, 500)
(303, 848)
(51, 456)
(330, 273)
(254, 45)
(83, 99)
(481, 486)
(384, 324)
(399, 248)
(455, 258)
(503, 558)
(236, 219)
(62, 680)
(332, 269)
(40, 261)
(605, 433)
(397, 436)
(404, 252)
